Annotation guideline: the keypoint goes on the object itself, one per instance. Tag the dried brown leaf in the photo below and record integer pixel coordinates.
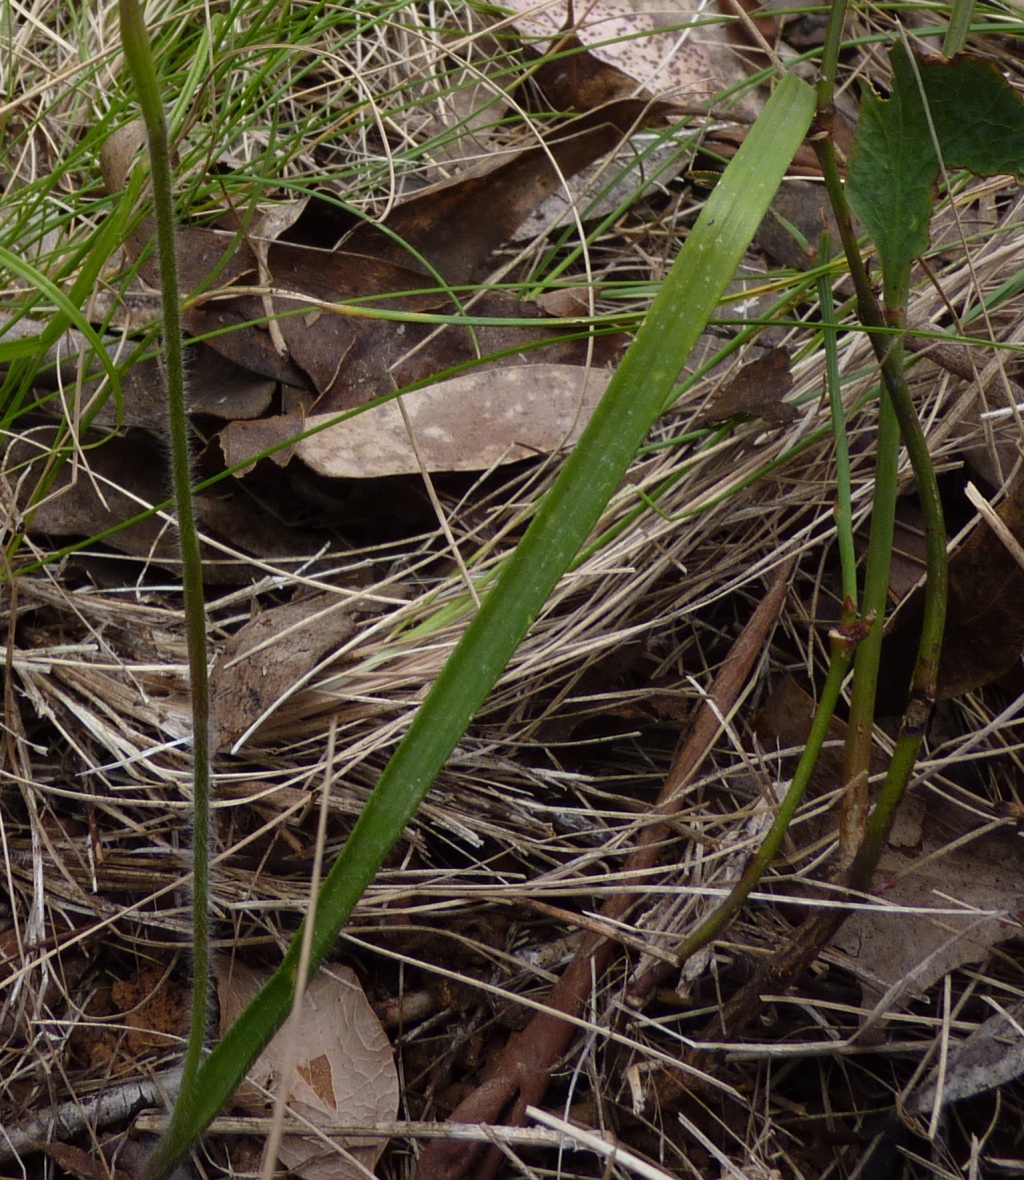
(984, 635)
(269, 656)
(573, 79)
(914, 949)
(125, 476)
(456, 227)
(757, 389)
(991, 1056)
(653, 48)
(81, 1164)
(118, 152)
(344, 1069)
(467, 423)
(567, 301)
(349, 358)
(241, 441)
(226, 390)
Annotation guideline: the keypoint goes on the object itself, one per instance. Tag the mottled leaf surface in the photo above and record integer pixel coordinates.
(344, 1070)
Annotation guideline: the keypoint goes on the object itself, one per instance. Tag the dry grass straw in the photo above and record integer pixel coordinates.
(530, 821)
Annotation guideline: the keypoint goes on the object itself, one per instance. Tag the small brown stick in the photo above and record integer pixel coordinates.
(71, 1118)
(518, 1074)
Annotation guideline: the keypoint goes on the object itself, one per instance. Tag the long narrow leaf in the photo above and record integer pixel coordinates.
(68, 312)
(636, 395)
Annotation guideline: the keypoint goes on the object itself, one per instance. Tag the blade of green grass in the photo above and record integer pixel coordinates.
(68, 309)
(567, 513)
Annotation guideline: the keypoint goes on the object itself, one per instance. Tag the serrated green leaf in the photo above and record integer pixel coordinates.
(978, 117)
(972, 114)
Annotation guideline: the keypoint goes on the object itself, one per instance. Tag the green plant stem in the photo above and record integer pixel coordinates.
(959, 23)
(826, 88)
(139, 56)
(897, 417)
(867, 306)
(841, 442)
(857, 755)
(925, 678)
(896, 410)
(843, 645)
(843, 642)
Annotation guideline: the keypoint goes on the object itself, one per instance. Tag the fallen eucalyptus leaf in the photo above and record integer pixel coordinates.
(976, 886)
(467, 423)
(269, 656)
(991, 1056)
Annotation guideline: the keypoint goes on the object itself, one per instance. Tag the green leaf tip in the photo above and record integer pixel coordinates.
(973, 117)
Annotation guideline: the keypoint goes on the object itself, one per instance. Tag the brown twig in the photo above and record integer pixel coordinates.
(518, 1075)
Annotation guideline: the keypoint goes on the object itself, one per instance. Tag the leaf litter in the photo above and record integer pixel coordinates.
(340, 1062)
(335, 600)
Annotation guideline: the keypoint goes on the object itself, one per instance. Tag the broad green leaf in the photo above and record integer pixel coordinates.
(973, 116)
(978, 117)
(892, 171)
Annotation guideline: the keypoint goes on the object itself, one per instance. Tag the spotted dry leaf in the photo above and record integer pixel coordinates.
(344, 1070)
(467, 423)
(673, 52)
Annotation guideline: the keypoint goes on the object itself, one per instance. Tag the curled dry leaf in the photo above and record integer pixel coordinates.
(271, 655)
(613, 51)
(216, 386)
(344, 1069)
(325, 340)
(468, 423)
(118, 153)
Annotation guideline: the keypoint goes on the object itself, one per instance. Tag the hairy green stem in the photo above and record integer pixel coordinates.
(139, 57)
